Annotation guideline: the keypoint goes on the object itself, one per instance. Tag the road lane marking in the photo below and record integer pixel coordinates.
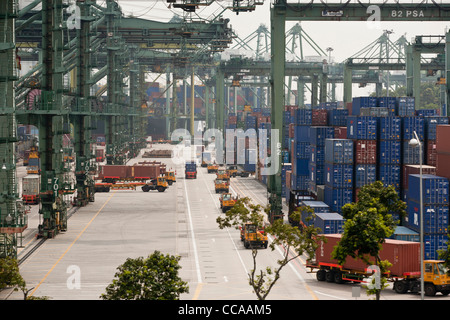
(71, 245)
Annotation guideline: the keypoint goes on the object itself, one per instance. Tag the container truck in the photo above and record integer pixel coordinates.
(404, 272)
(30, 189)
(190, 170)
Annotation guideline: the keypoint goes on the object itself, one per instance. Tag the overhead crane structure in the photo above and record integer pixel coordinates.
(283, 10)
(58, 94)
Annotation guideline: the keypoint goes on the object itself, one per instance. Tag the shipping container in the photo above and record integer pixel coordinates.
(31, 186)
(329, 222)
(319, 117)
(433, 243)
(435, 217)
(431, 153)
(363, 102)
(365, 174)
(317, 174)
(411, 154)
(316, 206)
(366, 152)
(390, 128)
(303, 117)
(302, 133)
(431, 124)
(442, 164)
(339, 175)
(442, 140)
(411, 124)
(406, 107)
(340, 132)
(403, 255)
(338, 117)
(390, 103)
(405, 234)
(415, 169)
(361, 128)
(390, 175)
(336, 198)
(435, 189)
(319, 134)
(339, 151)
(389, 152)
(299, 182)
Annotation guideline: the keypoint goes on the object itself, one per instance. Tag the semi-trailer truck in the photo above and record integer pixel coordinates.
(404, 272)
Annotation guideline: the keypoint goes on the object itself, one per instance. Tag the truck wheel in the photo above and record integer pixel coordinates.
(160, 189)
(400, 287)
(338, 277)
(329, 276)
(430, 289)
(145, 188)
(320, 275)
(246, 244)
(170, 183)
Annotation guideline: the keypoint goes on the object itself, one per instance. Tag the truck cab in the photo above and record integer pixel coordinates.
(223, 175)
(436, 279)
(212, 167)
(221, 185)
(232, 171)
(252, 236)
(226, 201)
(159, 184)
(170, 177)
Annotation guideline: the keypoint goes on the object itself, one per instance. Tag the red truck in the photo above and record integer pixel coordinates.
(404, 272)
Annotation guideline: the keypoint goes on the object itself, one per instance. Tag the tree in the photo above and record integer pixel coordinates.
(294, 241)
(368, 223)
(152, 278)
(444, 254)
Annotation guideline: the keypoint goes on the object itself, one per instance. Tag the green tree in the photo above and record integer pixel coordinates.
(153, 278)
(368, 223)
(294, 241)
(444, 254)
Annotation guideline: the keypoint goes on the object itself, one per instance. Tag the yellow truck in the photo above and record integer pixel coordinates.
(212, 167)
(221, 185)
(252, 236)
(226, 201)
(159, 184)
(170, 177)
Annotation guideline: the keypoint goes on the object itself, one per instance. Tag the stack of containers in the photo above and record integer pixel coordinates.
(431, 123)
(337, 117)
(288, 119)
(316, 206)
(338, 173)
(318, 135)
(300, 150)
(435, 195)
(250, 122)
(329, 222)
(443, 151)
(363, 131)
(390, 103)
(413, 169)
(389, 151)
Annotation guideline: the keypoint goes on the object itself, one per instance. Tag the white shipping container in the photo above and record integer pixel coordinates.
(31, 185)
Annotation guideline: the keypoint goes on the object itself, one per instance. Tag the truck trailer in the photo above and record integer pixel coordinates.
(404, 272)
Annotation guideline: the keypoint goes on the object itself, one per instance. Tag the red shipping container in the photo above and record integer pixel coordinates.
(403, 255)
(443, 165)
(114, 171)
(431, 153)
(291, 130)
(349, 107)
(145, 171)
(319, 117)
(415, 169)
(366, 152)
(340, 133)
(288, 179)
(442, 138)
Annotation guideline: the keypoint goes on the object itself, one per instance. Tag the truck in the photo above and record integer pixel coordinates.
(404, 272)
(170, 177)
(212, 167)
(30, 189)
(159, 184)
(232, 171)
(252, 236)
(221, 185)
(190, 170)
(222, 174)
(226, 201)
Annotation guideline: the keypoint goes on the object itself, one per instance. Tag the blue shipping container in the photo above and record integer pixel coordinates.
(389, 152)
(365, 174)
(390, 128)
(430, 126)
(435, 189)
(406, 107)
(337, 117)
(319, 134)
(336, 198)
(339, 175)
(302, 133)
(433, 243)
(299, 182)
(300, 167)
(303, 117)
(411, 124)
(405, 234)
(317, 155)
(329, 222)
(302, 150)
(435, 217)
(361, 128)
(411, 154)
(339, 151)
(363, 102)
(317, 175)
(390, 175)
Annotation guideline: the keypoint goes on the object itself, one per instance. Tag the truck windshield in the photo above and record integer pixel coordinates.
(442, 269)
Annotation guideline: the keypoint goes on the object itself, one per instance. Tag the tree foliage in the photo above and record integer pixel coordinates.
(153, 278)
(293, 241)
(368, 223)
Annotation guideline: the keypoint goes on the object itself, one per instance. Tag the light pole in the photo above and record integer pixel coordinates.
(414, 142)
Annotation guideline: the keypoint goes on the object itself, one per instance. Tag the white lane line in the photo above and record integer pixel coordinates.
(194, 244)
(228, 230)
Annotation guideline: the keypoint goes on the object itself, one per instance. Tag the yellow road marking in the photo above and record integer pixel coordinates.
(70, 246)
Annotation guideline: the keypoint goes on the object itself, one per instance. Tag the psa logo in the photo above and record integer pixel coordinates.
(73, 22)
